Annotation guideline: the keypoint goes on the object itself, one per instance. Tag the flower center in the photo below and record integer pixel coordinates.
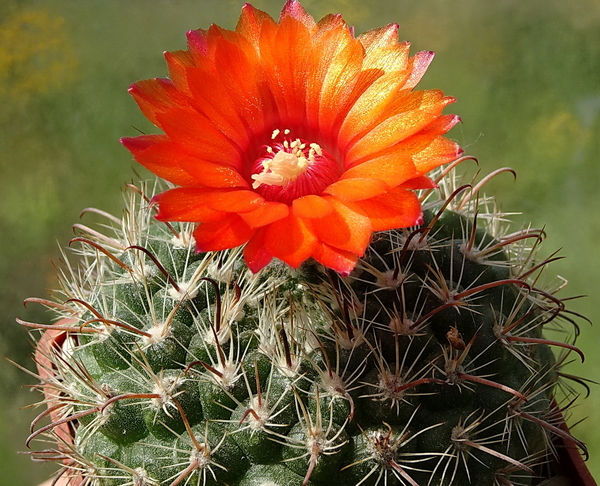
(290, 161)
(290, 168)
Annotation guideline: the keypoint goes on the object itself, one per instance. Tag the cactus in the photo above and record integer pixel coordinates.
(426, 366)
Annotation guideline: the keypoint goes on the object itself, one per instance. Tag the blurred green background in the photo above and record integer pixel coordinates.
(526, 76)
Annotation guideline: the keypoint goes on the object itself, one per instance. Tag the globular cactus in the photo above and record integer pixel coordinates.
(426, 366)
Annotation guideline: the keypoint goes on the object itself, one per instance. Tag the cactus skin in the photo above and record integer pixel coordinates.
(426, 366)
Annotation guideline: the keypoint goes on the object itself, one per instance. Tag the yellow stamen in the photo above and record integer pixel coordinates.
(287, 165)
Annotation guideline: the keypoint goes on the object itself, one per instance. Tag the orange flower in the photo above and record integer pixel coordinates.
(295, 138)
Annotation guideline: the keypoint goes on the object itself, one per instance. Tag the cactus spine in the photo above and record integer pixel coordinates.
(427, 366)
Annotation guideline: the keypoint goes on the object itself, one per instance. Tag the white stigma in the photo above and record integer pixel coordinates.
(287, 164)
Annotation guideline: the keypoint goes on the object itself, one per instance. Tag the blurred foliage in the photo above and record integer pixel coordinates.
(525, 75)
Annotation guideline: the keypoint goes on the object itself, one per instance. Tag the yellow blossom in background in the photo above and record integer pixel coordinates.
(36, 54)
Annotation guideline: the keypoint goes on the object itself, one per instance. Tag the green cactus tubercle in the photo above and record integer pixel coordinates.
(426, 366)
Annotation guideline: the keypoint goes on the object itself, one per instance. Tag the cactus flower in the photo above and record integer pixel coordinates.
(296, 138)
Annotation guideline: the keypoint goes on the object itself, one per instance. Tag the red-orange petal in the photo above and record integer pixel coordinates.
(212, 100)
(439, 127)
(356, 189)
(290, 239)
(233, 201)
(339, 83)
(255, 254)
(177, 63)
(155, 96)
(311, 206)
(331, 47)
(341, 261)
(201, 204)
(185, 204)
(228, 232)
(419, 64)
(167, 160)
(346, 228)
(144, 151)
(420, 182)
(419, 144)
(242, 81)
(252, 23)
(387, 102)
(294, 9)
(440, 151)
(198, 136)
(267, 213)
(369, 107)
(384, 52)
(197, 45)
(388, 133)
(397, 208)
(209, 174)
(287, 80)
(392, 168)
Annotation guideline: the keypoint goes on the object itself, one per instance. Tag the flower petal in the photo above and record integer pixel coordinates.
(286, 57)
(177, 63)
(419, 64)
(198, 136)
(387, 100)
(233, 201)
(369, 108)
(155, 96)
(439, 151)
(392, 168)
(197, 44)
(209, 174)
(237, 70)
(166, 159)
(201, 204)
(144, 151)
(420, 182)
(397, 208)
(212, 100)
(228, 232)
(294, 9)
(290, 239)
(252, 24)
(185, 204)
(311, 206)
(338, 86)
(356, 189)
(383, 39)
(388, 133)
(346, 228)
(255, 254)
(266, 214)
(341, 261)
(331, 48)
